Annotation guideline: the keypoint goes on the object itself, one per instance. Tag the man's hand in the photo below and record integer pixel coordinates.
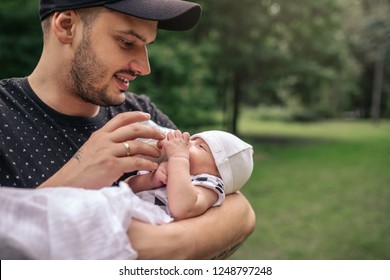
(109, 153)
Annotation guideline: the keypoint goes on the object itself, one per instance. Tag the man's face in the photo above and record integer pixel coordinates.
(109, 56)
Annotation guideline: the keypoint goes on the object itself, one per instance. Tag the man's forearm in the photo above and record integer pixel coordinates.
(215, 234)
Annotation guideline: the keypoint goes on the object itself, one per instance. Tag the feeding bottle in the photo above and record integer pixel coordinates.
(162, 129)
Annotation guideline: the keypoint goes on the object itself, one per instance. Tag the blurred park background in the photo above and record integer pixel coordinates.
(306, 82)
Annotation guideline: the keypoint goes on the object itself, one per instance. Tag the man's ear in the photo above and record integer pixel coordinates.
(63, 26)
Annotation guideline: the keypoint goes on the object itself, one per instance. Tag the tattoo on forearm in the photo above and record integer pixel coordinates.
(228, 252)
(77, 155)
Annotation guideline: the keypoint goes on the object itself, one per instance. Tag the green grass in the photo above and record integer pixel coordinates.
(320, 191)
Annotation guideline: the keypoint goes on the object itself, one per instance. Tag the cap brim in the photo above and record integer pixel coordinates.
(176, 15)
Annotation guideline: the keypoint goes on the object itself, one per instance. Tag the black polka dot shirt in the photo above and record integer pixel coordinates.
(36, 141)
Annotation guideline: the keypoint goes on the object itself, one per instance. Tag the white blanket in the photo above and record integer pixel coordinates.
(71, 223)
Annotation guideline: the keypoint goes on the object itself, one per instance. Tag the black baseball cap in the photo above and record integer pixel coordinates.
(176, 15)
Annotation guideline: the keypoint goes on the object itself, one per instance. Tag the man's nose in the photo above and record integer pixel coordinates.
(140, 63)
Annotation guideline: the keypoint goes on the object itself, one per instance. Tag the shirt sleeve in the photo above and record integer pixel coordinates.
(213, 183)
(65, 223)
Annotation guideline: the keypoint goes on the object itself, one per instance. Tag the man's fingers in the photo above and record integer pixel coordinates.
(134, 163)
(134, 148)
(124, 119)
(134, 131)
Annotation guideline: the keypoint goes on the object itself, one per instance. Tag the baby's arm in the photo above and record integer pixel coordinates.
(150, 180)
(185, 199)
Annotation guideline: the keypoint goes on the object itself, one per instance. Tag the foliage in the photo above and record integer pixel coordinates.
(368, 31)
(283, 50)
(20, 37)
(313, 58)
(179, 80)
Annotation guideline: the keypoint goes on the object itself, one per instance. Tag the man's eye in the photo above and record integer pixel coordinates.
(127, 44)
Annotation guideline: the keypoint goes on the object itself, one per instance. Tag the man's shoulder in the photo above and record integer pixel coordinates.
(10, 87)
(134, 102)
(11, 83)
(132, 98)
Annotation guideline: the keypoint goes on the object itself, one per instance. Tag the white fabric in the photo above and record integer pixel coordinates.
(157, 197)
(70, 223)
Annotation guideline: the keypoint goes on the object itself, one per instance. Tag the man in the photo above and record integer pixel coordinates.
(70, 122)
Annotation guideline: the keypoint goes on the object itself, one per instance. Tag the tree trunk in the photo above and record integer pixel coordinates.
(237, 93)
(377, 86)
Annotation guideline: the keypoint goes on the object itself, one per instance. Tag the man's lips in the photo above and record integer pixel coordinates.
(123, 80)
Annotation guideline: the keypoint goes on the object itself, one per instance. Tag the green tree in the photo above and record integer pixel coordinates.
(252, 52)
(275, 51)
(179, 82)
(371, 41)
(20, 37)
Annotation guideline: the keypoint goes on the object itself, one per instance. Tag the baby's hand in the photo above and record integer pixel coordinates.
(176, 144)
(160, 176)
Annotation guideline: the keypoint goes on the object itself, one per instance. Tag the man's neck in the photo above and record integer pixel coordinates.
(53, 94)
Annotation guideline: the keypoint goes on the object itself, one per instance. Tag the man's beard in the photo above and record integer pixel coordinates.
(86, 71)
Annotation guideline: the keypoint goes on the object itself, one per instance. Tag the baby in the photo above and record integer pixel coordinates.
(197, 174)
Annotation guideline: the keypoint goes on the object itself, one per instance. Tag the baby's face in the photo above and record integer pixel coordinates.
(201, 158)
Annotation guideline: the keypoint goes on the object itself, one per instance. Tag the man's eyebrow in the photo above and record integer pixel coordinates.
(137, 35)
